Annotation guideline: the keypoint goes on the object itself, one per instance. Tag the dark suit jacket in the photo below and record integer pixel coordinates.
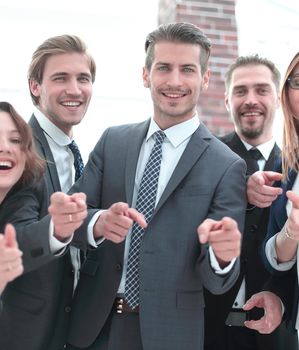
(209, 181)
(252, 267)
(43, 148)
(33, 304)
(36, 305)
(284, 284)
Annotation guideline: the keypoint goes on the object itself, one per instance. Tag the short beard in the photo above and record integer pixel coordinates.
(252, 134)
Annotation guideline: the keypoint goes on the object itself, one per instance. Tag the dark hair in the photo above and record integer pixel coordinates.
(252, 60)
(34, 165)
(180, 32)
(55, 46)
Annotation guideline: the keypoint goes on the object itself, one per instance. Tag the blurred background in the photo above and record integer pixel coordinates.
(115, 31)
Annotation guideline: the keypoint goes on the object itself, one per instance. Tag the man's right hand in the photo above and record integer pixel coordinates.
(114, 223)
(259, 188)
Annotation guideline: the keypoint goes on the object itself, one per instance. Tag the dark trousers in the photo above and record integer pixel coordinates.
(120, 332)
(242, 338)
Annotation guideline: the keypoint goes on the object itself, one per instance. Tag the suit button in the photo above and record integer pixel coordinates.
(253, 228)
(118, 267)
(67, 309)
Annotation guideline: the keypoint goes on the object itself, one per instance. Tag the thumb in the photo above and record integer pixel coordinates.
(58, 198)
(10, 236)
(79, 198)
(294, 198)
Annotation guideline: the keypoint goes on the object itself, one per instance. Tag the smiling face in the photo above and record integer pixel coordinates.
(65, 91)
(252, 100)
(175, 82)
(12, 157)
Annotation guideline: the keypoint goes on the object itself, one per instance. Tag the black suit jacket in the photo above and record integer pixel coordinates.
(33, 315)
(36, 306)
(43, 148)
(252, 267)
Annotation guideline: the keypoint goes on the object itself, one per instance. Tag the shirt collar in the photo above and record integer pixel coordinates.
(178, 133)
(264, 148)
(51, 129)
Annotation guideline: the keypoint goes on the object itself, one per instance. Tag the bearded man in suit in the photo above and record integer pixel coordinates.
(252, 98)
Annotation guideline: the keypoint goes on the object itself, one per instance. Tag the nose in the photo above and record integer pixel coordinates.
(251, 98)
(4, 145)
(174, 78)
(73, 87)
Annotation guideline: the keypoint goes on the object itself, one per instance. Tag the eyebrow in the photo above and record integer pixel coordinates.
(181, 65)
(82, 74)
(254, 85)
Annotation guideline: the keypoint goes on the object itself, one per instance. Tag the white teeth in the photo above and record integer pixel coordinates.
(174, 95)
(252, 113)
(6, 164)
(71, 104)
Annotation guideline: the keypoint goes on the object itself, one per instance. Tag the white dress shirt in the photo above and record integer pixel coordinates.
(265, 149)
(64, 160)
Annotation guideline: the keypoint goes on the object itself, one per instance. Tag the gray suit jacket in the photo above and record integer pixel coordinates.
(209, 181)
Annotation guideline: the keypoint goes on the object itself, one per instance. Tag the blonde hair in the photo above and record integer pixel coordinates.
(290, 144)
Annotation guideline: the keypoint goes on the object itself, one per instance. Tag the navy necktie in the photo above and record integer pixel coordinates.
(255, 155)
(78, 162)
(145, 204)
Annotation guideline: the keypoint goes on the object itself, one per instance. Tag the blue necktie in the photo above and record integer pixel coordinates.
(255, 155)
(77, 254)
(145, 204)
(78, 162)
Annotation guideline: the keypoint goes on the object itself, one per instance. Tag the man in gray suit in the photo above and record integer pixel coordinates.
(143, 287)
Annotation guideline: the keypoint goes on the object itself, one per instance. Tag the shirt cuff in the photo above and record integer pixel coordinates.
(215, 265)
(90, 237)
(57, 247)
(271, 255)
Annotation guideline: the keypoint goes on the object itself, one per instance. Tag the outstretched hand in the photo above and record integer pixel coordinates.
(223, 236)
(67, 213)
(114, 223)
(11, 265)
(260, 190)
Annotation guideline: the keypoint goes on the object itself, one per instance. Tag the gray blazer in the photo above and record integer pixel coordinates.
(209, 181)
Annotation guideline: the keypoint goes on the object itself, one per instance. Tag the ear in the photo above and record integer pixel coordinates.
(226, 101)
(206, 79)
(34, 87)
(145, 77)
(278, 101)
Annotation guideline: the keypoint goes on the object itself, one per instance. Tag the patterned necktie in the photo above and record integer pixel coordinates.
(78, 162)
(252, 164)
(77, 255)
(145, 204)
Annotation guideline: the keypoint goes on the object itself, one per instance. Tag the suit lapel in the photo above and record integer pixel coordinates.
(269, 166)
(46, 153)
(195, 148)
(136, 137)
(281, 202)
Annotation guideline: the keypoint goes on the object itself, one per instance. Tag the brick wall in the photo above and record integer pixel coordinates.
(217, 20)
